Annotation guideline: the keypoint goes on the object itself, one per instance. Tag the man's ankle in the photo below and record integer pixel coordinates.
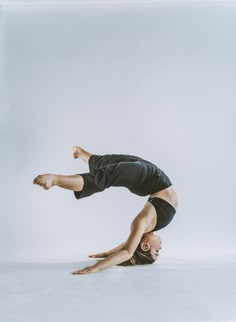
(56, 180)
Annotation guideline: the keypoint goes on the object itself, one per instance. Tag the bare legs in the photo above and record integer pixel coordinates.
(70, 182)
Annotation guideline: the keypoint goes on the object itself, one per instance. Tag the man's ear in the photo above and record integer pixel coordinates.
(145, 245)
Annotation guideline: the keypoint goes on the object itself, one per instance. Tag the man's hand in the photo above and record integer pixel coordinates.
(87, 270)
(108, 252)
(100, 255)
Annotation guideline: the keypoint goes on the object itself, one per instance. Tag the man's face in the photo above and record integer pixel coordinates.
(152, 242)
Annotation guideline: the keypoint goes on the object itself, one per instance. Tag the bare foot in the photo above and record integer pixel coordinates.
(45, 180)
(81, 153)
(77, 151)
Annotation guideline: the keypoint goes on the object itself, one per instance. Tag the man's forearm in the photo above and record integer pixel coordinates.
(116, 258)
(113, 250)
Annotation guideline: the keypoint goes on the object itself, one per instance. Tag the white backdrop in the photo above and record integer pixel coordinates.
(150, 80)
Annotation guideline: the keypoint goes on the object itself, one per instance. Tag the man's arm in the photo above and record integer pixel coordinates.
(137, 229)
(118, 257)
(114, 259)
(109, 252)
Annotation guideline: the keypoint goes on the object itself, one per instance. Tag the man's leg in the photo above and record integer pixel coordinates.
(71, 182)
(124, 174)
(105, 171)
(97, 161)
(83, 184)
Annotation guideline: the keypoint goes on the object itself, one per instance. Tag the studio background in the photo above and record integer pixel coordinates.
(157, 81)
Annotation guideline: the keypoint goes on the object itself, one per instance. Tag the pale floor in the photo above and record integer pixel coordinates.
(165, 291)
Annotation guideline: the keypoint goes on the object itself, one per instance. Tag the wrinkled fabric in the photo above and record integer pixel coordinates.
(139, 176)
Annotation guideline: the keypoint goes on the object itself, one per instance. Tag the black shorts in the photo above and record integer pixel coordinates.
(139, 176)
(164, 210)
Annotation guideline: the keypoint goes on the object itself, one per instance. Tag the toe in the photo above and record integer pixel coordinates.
(45, 186)
(41, 182)
(35, 179)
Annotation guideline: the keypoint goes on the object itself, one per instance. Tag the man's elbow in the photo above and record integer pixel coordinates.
(128, 253)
